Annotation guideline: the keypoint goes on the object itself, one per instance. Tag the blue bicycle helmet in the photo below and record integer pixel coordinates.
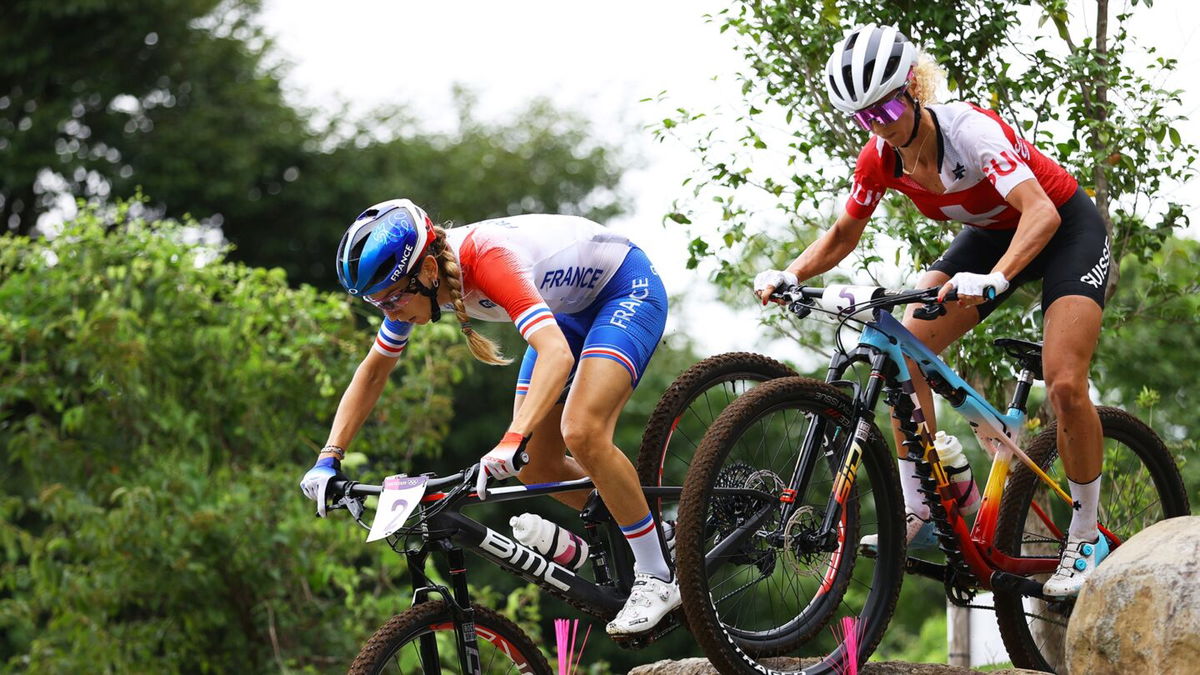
(384, 244)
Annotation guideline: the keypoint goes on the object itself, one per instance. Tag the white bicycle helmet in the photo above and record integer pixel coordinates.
(869, 62)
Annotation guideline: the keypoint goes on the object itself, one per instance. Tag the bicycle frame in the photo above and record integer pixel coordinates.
(452, 533)
(885, 341)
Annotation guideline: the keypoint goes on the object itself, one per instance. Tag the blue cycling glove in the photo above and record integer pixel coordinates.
(316, 481)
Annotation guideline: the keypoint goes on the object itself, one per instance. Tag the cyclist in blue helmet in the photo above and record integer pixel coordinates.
(591, 308)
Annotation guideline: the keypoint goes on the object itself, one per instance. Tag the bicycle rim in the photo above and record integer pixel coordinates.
(398, 646)
(779, 593)
(1140, 486)
(688, 408)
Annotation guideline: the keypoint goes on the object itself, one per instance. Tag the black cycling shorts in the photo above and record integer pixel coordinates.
(1074, 262)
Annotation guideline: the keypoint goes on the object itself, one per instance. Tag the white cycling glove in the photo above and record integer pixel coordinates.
(977, 285)
(503, 461)
(773, 279)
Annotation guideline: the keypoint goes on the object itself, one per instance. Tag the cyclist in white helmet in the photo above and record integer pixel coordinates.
(1025, 219)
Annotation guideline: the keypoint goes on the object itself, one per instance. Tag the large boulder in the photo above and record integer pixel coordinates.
(1140, 611)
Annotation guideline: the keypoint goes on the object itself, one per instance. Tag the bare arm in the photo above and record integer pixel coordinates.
(550, 372)
(1039, 221)
(826, 252)
(359, 398)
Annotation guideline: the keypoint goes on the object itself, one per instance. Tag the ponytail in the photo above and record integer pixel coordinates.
(482, 347)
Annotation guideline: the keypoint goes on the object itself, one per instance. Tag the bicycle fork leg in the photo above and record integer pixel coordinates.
(464, 628)
(847, 467)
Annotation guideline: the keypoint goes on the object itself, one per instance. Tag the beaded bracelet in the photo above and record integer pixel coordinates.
(339, 453)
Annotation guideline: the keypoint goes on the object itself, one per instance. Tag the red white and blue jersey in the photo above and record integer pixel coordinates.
(525, 269)
(980, 160)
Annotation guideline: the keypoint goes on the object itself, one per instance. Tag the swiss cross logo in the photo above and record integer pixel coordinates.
(995, 169)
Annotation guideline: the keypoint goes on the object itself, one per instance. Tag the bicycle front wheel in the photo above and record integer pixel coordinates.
(1140, 486)
(762, 588)
(688, 408)
(422, 639)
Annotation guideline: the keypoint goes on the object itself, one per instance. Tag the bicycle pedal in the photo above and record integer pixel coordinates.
(642, 640)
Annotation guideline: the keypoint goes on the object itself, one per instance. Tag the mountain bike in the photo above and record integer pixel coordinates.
(764, 573)
(444, 631)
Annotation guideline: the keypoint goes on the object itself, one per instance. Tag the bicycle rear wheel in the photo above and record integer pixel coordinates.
(1140, 486)
(429, 627)
(767, 601)
(688, 408)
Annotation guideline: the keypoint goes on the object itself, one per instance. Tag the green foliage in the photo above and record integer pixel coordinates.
(183, 98)
(785, 175)
(157, 406)
(777, 168)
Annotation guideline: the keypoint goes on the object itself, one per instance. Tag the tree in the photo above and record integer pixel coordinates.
(542, 161)
(184, 99)
(150, 511)
(99, 96)
(778, 169)
(1000, 53)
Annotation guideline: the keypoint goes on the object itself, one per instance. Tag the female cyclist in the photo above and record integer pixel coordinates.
(592, 309)
(1025, 219)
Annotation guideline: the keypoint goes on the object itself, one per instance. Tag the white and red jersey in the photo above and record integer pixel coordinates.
(980, 160)
(525, 269)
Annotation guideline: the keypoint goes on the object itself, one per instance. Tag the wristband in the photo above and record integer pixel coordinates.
(338, 452)
(512, 437)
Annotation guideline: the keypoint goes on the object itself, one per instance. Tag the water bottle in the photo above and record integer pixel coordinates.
(958, 471)
(557, 543)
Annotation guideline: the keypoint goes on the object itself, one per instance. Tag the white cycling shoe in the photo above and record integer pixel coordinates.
(919, 531)
(1079, 559)
(649, 601)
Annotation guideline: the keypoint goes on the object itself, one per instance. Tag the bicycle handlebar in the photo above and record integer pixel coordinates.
(854, 301)
(353, 488)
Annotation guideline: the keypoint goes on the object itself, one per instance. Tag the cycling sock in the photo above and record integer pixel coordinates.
(910, 485)
(647, 550)
(1083, 519)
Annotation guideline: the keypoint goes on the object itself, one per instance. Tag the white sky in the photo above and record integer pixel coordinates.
(600, 59)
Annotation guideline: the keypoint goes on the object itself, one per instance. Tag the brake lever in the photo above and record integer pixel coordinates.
(800, 308)
(929, 311)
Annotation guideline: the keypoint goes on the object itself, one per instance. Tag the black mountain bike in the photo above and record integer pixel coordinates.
(444, 631)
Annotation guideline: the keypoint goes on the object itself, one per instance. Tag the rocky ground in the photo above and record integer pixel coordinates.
(702, 667)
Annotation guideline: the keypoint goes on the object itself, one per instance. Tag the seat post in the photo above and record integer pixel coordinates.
(1021, 393)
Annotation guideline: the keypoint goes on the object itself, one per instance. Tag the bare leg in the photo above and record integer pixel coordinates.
(1072, 328)
(548, 460)
(589, 420)
(937, 335)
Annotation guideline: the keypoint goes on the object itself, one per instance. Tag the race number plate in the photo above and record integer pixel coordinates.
(400, 496)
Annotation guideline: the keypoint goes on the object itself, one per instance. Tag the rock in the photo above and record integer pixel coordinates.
(702, 667)
(1140, 611)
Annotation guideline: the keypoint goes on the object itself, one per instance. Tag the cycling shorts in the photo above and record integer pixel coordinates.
(1074, 262)
(624, 323)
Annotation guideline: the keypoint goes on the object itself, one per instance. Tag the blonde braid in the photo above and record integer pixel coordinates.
(481, 346)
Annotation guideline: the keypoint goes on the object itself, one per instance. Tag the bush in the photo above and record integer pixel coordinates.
(157, 408)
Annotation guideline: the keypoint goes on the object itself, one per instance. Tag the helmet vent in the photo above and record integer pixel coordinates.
(848, 79)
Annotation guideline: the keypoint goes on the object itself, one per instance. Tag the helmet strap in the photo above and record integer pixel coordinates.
(435, 311)
(916, 119)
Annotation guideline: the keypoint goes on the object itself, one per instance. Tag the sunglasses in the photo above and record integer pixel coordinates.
(882, 113)
(396, 300)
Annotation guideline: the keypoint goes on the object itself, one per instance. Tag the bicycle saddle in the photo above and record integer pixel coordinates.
(1028, 354)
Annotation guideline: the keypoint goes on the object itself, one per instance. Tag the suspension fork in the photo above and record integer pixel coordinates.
(851, 451)
(458, 600)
